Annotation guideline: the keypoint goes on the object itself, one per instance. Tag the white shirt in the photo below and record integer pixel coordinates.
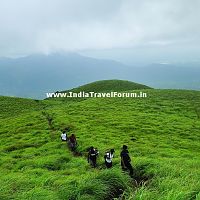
(109, 157)
(64, 136)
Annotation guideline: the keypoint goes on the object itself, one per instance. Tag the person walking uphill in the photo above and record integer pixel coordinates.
(63, 136)
(72, 142)
(108, 158)
(92, 156)
(126, 160)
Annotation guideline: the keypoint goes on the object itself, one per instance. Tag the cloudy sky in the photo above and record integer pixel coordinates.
(100, 27)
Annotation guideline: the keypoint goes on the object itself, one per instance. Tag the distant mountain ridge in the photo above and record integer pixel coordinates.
(34, 75)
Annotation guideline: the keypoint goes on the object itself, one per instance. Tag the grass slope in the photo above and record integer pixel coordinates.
(109, 85)
(162, 132)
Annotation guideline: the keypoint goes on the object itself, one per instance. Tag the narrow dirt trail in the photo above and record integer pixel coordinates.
(138, 180)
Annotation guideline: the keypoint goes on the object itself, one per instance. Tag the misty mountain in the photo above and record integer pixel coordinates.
(168, 76)
(34, 75)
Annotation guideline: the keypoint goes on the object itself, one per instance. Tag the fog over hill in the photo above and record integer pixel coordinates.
(34, 75)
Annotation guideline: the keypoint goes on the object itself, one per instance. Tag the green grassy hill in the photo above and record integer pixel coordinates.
(161, 131)
(109, 85)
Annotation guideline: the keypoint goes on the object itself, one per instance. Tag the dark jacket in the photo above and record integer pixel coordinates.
(125, 157)
(92, 154)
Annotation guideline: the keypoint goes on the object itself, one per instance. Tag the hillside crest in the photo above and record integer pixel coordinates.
(109, 85)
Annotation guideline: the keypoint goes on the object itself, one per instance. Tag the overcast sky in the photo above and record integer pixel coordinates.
(45, 26)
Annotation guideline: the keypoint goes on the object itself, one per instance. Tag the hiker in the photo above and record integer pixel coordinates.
(92, 156)
(126, 160)
(72, 142)
(64, 136)
(108, 158)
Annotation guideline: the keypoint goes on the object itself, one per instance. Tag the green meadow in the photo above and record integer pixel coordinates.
(162, 133)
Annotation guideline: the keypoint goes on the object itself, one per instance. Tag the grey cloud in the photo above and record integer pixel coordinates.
(32, 26)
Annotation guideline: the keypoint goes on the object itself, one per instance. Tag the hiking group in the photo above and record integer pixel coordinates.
(93, 154)
(71, 140)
